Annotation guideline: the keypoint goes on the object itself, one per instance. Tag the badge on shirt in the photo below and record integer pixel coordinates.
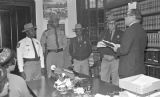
(118, 36)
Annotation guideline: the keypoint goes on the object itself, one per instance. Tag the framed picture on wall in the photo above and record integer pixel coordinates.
(55, 8)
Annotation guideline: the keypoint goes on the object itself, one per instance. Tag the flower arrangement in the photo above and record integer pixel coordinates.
(63, 84)
(66, 82)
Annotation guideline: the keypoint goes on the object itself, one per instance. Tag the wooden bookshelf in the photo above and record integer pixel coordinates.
(150, 10)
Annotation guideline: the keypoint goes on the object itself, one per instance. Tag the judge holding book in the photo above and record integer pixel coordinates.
(133, 44)
(110, 63)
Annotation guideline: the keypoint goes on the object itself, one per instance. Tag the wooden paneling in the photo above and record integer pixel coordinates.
(18, 13)
(17, 2)
(5, 28)
(81, 11)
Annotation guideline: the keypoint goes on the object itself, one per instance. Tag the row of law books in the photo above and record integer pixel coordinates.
(151, 22)
(153, 40)
(149, 6)
(146, 7)
(148, 22)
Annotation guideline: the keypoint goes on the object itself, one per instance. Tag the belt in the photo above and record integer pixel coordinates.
(31, 59)
(56, 50)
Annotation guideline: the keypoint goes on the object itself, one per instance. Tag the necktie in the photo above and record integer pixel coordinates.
(56, 38)
(112, 33)
(36, 55)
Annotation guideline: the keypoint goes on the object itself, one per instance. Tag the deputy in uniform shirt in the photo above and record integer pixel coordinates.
(54, 42)
(30, 55)
(110, 63)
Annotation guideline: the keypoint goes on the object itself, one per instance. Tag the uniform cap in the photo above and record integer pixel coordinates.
(28, 26)
(78, 26)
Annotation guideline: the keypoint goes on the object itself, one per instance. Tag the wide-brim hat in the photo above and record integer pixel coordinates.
(78, 26)
(28, 26)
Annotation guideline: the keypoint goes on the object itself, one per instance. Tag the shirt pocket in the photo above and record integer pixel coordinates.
(27, 49)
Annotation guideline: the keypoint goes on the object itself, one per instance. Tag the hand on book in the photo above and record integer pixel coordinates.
(105, 43)
(101, 44)
(112, 45)
(116, 46)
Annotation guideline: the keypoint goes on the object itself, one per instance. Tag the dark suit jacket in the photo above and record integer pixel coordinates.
(131, 51)
(80, 50)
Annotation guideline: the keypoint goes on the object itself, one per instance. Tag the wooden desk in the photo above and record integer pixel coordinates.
(44, 87)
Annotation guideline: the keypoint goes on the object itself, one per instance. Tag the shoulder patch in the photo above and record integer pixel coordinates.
(18, 45)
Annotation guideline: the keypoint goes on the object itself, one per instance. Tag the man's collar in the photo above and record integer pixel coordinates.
(133, 23)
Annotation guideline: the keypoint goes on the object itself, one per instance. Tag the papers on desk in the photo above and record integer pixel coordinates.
(140, 84)
(129, 94)
(100, 95)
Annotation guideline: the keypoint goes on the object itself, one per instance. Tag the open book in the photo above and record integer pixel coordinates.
(105, 43)
(109, 44)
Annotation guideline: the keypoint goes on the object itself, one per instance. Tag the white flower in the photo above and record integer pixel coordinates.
(65, 84)
(53, 67)
(68, 83)
(79, 90)
(63, 74)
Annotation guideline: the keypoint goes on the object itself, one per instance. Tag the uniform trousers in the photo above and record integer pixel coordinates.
(109, 70)
(56, 59)
(32, 69)
(81, 66)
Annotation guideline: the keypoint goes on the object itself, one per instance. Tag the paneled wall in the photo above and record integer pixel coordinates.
(14, 14)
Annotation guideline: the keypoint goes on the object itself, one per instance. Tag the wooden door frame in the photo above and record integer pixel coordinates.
(23, 3)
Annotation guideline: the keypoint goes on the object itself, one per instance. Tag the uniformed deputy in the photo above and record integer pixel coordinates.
(11, 85)
(80, 49)
(110, 63)
(30, 55)
(54, 41)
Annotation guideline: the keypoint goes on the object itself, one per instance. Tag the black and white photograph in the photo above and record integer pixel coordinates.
(79, 48)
